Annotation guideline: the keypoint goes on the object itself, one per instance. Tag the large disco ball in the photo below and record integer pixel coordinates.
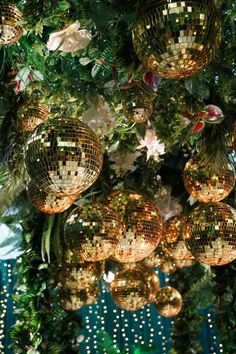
(30, 114)
(129, 289)
(64, 155)
(142, 225)
(168, 302)
(48, 202)
(172, 239)
(176, 39)
(211, 233)
(82, 275)
(92, 232)
(10, 29)
(205, 185)
(72, 300)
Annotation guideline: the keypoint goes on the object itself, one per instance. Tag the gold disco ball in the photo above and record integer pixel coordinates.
(30, 114)
(207, 186)
(81, 275)
(72, 300)
(129, 290)
(142, 226)
(64, 155)
(10, 30)
(92, 232)
(49, 203)
(162, 260)
(168, 302)
(152, 281)
(173, 238)
(168, 265)
(176, 39)
(138, 107)
(211, 234)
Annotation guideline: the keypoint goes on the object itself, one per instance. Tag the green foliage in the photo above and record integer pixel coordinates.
(42, 324)
(225, 287)
(196, 285)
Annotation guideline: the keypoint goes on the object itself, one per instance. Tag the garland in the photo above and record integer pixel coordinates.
(42, 325)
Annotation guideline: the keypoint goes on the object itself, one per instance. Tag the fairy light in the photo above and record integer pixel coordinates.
(215, 348)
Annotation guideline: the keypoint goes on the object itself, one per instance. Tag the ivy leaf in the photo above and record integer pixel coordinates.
(63, 5)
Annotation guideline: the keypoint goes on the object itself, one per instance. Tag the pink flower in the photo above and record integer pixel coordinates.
(25, 76)
(214, 113)
(69, 39)
(153, 145)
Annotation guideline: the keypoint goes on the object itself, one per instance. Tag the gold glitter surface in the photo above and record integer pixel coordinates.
(64, 156)
(80, 276)
(172, 239)
(129, 290)
(176, 39)
(138, 107)
(168, 302)
(72, 300)
(206, 186)
(10, 31)
(49, 203)
(142, 225)
(211, 233)
(92, 232)
(30, 114)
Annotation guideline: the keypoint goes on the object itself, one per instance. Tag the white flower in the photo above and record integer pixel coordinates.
(99, 117)
(153, 145)
(25, 76)
(70, 39)
(168, 205)
(123, 162)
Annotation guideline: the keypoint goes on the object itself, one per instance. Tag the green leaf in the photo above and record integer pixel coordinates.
(46, 236)
(63, 5)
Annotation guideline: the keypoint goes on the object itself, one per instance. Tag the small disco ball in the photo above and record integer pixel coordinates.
(81, 275)
(151, 279)
(138, 107)
(207, 186)
(168, 302)
(142, 226)
(10, 31)
(30, 114)
(211, 233)
(183, 263)
(173, 241)
(72, 300)
(129, 290)
(64, 155)
(92, 232)
(176, 39)
(162, 260)
(49, 203)
(168, 265)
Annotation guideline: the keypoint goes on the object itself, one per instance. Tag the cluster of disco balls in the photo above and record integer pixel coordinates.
(126, 228)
